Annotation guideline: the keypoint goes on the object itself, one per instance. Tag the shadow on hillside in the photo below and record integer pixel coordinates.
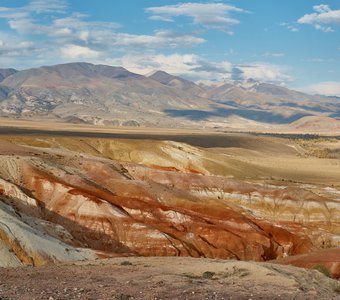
(252, 114)
(83, 237)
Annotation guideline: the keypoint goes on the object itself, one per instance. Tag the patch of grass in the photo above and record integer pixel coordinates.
(205, 275)
(244, 274)
(208, 275)
(126, 263)
(191, 276)
(323, 269)
(239, 272)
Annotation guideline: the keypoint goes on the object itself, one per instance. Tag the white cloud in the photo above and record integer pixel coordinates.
(43, 6)
(34, 7)
(161, 39)
(13, 47)
(330, 88)
(209, 15)
(195, 67)
(323, 28)
(273, 54)
(161, 18)
(265, 72)
(177, 64)
(291, 27)
(322, 18)
(78, 52)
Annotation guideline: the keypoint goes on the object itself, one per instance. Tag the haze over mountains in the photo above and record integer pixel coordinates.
(99, 94)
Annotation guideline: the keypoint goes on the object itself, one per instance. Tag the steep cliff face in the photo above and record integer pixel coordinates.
(56, 201)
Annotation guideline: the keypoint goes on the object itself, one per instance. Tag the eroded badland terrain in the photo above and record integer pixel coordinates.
(237, 197)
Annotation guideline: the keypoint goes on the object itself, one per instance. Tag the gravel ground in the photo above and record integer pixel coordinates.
(165, 278)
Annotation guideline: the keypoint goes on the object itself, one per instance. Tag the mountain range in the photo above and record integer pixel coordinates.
(100, 94)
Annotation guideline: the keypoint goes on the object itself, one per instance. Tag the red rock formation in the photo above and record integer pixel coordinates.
(328, 258)
(130, 209)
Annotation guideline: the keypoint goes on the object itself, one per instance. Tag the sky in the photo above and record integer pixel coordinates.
(293, 43)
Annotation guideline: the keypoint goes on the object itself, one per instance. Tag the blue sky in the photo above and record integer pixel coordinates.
(295, 43)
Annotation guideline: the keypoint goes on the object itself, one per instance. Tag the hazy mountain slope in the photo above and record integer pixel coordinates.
(176, 82)
(268, 98)
(92, 90)
(6, 72)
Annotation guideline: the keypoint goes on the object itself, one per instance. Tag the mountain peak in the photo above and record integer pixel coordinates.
(176, 81)
(162, 77)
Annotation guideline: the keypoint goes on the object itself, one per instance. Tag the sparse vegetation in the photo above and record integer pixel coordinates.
(239, 272)
(336, 287)
(316, 147)
(126, 263)
(191, 276)
(208, 275)
(323, 269)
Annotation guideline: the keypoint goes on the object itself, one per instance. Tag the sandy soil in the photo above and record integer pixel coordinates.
(53, 125)
(165, 278)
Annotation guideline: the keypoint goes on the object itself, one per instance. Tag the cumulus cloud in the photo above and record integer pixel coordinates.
(209, 15)
(330, 88)
(177, 64)
(322, 19)
(265, 72)
(194, 67)
(78, 52)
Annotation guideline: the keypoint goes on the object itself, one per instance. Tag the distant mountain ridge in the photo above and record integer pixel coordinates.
(100, 94)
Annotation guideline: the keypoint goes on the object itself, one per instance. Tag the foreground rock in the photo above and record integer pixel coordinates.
(166, 278)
